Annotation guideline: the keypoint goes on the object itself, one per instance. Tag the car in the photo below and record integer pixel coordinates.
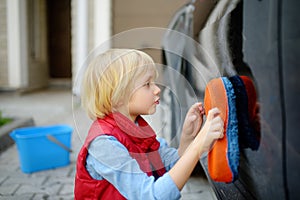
(266, 41)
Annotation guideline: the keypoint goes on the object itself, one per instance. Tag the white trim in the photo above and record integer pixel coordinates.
(17, 43)
(102, 22)
(81, 39)
(82, 32)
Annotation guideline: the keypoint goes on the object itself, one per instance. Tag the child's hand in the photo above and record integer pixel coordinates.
(212, 129)
(193, 121)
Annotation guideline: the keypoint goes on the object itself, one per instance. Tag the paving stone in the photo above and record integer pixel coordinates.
(17, 173)
(32, 189)
(41, 197)
(67, 189)
(27, 181)
(17, 197)
(43, 173)
(62, 171)
(2, 178)
(207, 195)
(58, 172)
(6, 170)
(59, 180)
(72, 171)
(198, 184)
(193, 196)
(186, 188)
(8, 189)
(10, 156)
(55, 197)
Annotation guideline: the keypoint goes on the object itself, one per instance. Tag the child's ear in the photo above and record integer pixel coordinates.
(119, 104)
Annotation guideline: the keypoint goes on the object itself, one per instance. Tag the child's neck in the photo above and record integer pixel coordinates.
(126, 114)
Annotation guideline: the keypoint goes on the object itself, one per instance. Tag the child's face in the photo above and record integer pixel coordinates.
(145, 96)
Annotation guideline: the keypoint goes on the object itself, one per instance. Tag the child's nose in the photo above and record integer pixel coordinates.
(156, 89)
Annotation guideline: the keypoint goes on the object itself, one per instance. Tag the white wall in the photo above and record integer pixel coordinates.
(81, 27)
(17, 43)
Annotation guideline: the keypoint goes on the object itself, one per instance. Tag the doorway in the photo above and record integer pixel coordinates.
(59, 38)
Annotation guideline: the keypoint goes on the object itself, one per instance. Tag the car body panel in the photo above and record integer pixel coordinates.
(271, 49)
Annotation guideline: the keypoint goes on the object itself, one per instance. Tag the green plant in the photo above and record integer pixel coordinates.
(4, 120)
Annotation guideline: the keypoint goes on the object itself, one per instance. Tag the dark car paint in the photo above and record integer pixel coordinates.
(271, 49)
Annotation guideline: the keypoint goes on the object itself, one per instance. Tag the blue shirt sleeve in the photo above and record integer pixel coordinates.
(168, 155)
(109, 159)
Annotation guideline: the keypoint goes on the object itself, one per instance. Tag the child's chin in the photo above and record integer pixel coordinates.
(152, 111)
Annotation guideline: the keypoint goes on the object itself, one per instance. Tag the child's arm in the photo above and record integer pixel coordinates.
(212, 130)
(191, 126)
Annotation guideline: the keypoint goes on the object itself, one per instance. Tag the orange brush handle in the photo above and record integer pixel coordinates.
(218, 166)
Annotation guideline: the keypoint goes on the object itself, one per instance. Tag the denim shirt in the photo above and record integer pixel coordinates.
(109, 159)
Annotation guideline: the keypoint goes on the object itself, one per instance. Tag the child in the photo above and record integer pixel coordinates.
(121, 157)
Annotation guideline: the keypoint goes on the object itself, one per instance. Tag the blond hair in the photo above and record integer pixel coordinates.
(110, 77)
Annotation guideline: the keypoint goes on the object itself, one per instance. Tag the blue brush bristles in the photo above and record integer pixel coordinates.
(233, 153)
(246, 133)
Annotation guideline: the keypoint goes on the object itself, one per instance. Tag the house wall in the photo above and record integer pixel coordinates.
(23, 52)
(91, 26)
(37, 44)
(3, 45)
(103, 19)
(132, 14)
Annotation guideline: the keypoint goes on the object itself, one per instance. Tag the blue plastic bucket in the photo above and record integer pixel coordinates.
(42, 148)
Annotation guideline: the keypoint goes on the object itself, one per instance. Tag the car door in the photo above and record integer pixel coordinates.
(271, 49)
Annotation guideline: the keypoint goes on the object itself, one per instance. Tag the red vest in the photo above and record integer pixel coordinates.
(141, 143)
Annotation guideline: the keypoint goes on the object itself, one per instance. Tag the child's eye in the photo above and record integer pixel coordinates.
(148, 84)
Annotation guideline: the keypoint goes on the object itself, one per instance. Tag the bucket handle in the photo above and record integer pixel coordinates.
(59, 143)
